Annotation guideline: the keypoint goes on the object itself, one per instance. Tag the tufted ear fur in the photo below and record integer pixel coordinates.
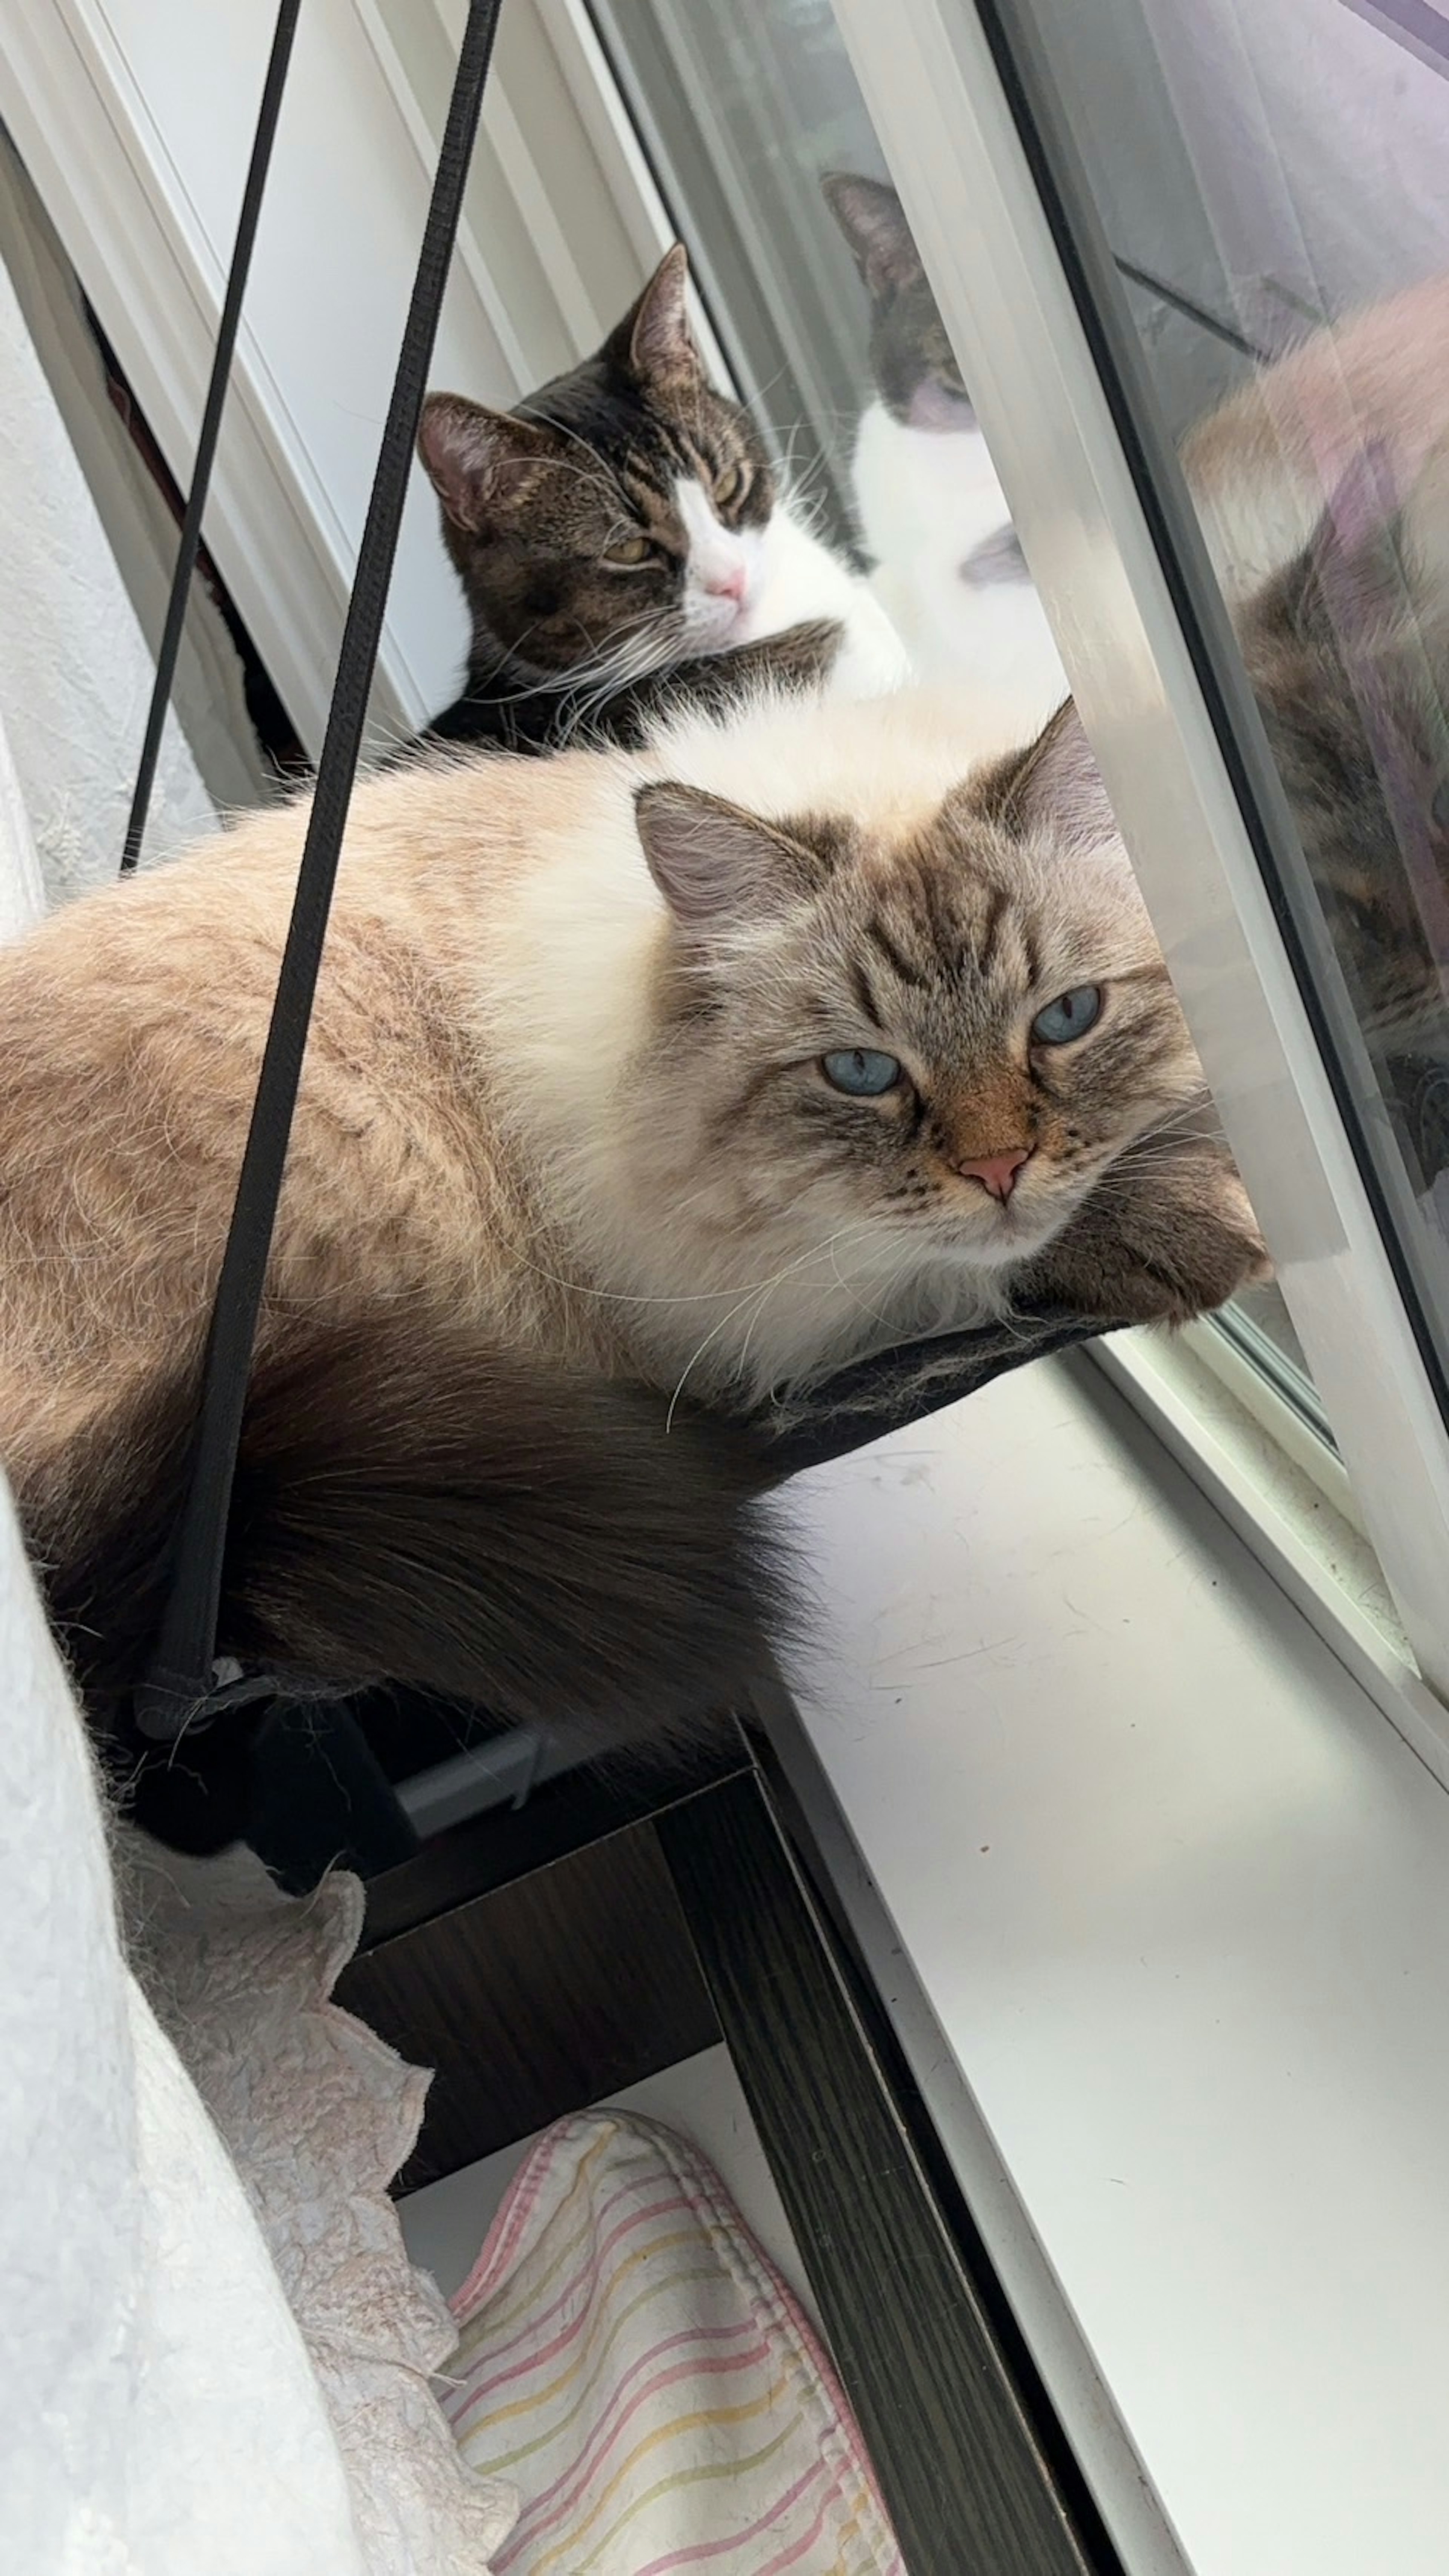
(654, 342)
(1347, 650)
(478, 461)
(718, 867)
(1375, 571)
(1369, 591)
(1053, 790)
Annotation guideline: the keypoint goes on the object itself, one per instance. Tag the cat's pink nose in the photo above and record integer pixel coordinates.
(997, 1172)
(727, 585)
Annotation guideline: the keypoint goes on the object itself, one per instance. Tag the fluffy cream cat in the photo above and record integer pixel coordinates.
(708, 1068)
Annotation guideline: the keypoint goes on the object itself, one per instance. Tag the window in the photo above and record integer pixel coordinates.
(1222, 152)
(742, 116)
(1208, 199)
(1042, 153)
(1121, 211)
(742, 109)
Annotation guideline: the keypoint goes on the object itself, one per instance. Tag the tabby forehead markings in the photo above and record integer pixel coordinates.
(998, 906)
(909, 970)
(870, 1007)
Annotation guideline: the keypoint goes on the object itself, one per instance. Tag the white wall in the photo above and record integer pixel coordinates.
(136, 123)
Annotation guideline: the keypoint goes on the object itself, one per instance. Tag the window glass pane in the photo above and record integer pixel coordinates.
(1262, 169)
(742, 109)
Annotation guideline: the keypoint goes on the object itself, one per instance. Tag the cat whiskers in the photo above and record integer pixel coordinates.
(663, 1297)
(762, 1291)
(634, 658)
(908, 1261)
(1121, 1179)
(601, 676)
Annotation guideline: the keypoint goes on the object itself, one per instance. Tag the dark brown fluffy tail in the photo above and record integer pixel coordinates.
(410, 1509)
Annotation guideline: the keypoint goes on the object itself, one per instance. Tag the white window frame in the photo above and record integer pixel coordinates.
(943, 121)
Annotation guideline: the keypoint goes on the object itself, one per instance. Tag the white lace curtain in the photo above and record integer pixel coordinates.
(158, 2411)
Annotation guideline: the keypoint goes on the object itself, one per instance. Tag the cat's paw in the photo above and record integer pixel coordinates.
(872, 662)
(1161, 1244)
(798, 657)
(1210, 1251)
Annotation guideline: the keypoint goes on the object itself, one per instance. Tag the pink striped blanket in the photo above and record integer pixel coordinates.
(631, 2361)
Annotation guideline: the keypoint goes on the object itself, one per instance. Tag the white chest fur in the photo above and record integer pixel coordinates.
(745, 583)
(928, 501)
(802, 579)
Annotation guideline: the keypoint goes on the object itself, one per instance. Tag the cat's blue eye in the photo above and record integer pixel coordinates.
(861, 1071)
(1069, 1016)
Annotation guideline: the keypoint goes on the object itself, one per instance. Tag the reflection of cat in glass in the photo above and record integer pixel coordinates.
(1347, 649)
(1260, 468)
(949, 571)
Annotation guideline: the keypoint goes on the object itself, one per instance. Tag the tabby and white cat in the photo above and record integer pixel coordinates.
(1260, 468)
(949, 571)
(622, 538)
(711, 1068)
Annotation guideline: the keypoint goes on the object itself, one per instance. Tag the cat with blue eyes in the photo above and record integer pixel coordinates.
(638, 1083)
(623, 543)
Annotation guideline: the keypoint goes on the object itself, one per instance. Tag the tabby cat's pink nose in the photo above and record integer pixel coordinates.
(997, 1172)
(728, 585)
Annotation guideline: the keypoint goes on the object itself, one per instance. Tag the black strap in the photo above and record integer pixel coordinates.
(241, 260)
(183, 1684)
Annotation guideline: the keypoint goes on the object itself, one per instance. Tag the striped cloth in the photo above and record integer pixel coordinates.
(632, 2362)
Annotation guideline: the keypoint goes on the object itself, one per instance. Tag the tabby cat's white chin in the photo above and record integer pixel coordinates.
(802, 579)
(743, 584)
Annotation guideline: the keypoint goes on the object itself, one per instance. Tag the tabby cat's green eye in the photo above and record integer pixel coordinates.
(861, 1072)
(731, 485)
(1069, 1016)
(630, 550)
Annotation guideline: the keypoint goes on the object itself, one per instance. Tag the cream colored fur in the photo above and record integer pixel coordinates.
(1262, 466)
(508, 1116)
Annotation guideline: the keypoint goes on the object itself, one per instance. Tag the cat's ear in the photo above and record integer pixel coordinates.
(1375, 572)
(1052, 791)
(654, 339)
(873, 221)
(1426, 535)
(478, 461)
(1343, 595)
(1352, 569)
(717, 866)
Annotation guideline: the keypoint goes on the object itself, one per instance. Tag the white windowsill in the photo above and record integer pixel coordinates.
(1160, 1902)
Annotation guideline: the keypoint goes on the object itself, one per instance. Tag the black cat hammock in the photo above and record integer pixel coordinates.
(314, 1773)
